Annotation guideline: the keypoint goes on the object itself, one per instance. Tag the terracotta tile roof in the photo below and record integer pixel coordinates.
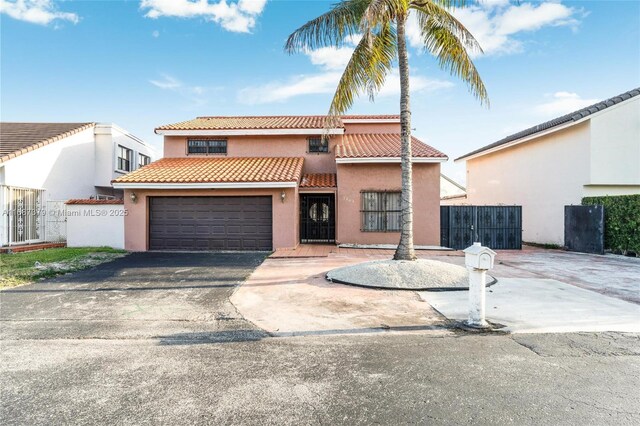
(246, 123)
(19, 138)
(376, 145)
(217, 170)
(371, 117)
(318, 180)
(264, 122)
(93, 201)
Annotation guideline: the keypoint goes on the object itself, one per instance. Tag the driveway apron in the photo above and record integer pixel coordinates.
(153, 294)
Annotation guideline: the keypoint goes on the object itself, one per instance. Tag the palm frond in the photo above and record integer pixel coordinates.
(329, 29)
(447, 4)
(450, 42)
(442, 16)
(367, 69)
(379, 12)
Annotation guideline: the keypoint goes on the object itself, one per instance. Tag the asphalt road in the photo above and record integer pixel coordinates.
(153, 339)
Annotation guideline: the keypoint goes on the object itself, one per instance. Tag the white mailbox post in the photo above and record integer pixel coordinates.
(478, 260)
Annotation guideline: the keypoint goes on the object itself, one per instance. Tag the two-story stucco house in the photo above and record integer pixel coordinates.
(262, 183)
(594, 151)
(42, 164)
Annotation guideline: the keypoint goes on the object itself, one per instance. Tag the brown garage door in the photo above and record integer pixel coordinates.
(210, 223)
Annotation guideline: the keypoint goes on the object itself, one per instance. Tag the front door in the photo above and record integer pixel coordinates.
(317, 218)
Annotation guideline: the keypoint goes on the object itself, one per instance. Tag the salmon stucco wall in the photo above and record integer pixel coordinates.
(354, 178)
(265, 146)
(285, 214)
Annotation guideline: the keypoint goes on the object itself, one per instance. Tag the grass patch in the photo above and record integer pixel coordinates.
(22, 268)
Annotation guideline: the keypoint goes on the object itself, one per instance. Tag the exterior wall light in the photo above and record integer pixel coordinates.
(283, 196)
(133, 197)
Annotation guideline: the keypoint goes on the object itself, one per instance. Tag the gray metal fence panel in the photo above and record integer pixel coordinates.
(497, 227)
(584, 229)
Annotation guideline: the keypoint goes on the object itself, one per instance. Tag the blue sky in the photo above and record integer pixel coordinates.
(141, 64)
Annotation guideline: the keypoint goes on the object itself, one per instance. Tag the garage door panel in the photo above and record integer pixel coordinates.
(210, 223)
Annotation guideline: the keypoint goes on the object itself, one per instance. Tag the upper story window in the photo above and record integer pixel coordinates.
(125, 157)
(381, 211)
(207, 146)
(143, 160)
(319, 144)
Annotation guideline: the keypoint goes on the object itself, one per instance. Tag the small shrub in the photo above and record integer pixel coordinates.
(621, 221)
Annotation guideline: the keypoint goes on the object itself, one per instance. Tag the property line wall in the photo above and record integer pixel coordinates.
(95, 225)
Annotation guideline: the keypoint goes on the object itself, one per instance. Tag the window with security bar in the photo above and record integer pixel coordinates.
(380, 211)
(319, 144)
(207, 146)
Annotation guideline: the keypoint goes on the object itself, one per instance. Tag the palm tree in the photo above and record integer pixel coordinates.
(381, 25)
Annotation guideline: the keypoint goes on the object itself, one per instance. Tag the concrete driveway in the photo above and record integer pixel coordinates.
(165, 295)
(537, 291)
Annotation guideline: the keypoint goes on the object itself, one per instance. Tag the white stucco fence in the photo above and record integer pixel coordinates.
(95, 225)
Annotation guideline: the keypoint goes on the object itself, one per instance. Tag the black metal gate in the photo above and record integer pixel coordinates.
(584, 229)
(317, 218)
(497, 227)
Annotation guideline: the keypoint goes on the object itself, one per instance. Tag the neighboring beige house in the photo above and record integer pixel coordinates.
(262, 183)
(591, 152)
(451, 192)
(42, 165)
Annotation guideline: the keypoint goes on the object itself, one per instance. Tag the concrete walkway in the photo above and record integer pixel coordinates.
(533, 305)
(292, 297)
(538, 290)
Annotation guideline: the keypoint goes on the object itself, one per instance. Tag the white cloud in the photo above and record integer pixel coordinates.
(41, 12)
(494, 23)
(295, 86)
(237, 16)
(331, 58)
(167, 82)
(195, 94)
(527, 17)
(418, 83)
(326, 83)
(331, 61)
(563, 103)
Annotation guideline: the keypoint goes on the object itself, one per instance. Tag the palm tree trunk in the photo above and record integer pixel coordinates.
(405, 247)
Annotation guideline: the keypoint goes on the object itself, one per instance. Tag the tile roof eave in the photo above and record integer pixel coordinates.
(254, 131)
(385, 147)
(204, 185)
(93, 201)
(268, 122)
(318, 181)
(226, 172)
(391, 159)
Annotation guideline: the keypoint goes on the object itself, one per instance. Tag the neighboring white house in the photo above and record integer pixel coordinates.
(451, 191)
(591, 152)
(44, 164)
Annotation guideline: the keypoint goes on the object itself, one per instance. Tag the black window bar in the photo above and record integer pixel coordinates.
(207, 146)
(381, 211)
(320, 144)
